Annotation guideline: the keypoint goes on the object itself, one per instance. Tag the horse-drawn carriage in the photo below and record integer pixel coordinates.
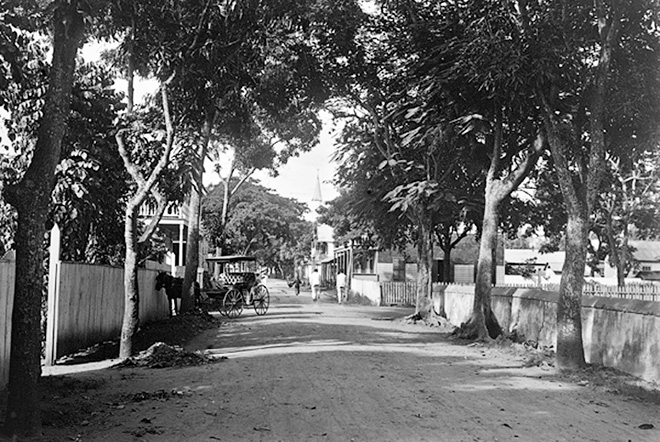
(237, 285)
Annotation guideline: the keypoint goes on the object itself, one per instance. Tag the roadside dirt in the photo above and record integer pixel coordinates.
(326, 372)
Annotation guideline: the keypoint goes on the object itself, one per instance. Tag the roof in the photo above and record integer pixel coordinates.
(520, 256)
(647, 251)
(230, 258)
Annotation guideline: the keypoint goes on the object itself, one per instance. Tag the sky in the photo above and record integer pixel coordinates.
(297, 178)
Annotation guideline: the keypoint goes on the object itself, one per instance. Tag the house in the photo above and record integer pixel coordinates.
(647, 259)
(173, 229)
(401, 265)
(528, 266)
(322, 254)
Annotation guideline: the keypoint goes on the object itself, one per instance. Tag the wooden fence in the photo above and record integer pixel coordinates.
(399, 293)
(405, 293)
(642, 292)
(86, 306)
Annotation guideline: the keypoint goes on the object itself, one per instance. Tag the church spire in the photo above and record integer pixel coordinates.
(316, 196)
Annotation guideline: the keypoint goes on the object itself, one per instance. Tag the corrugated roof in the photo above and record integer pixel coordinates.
(554, 259)
(646, 251)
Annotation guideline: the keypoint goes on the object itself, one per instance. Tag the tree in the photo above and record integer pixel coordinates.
(145, 183)
(261, 223)
(458, 112)
(31, 199)
(91, 182)
(260, 59)
(593, 44)
(628, 204)
(295, 251)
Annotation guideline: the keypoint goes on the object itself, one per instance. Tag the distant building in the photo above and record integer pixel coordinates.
(401, 265)
(322, 253)
(647, 258)
(523, 266)
(173, 228)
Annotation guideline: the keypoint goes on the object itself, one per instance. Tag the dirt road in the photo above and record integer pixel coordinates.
(326, 372)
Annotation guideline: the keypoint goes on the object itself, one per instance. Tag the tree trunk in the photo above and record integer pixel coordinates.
(616, 253)
(131, 321)
(570, 353)
(483, 323)
(424, 304)
(192, 253)
(31, 199)
(446, 265)
(194, 219)
(623, 257)
(132, 239)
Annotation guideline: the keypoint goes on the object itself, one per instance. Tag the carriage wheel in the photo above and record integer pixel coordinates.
(261, 299)
(219, 305)
(232, 304)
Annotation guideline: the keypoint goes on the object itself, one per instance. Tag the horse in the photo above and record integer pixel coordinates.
(173, 286)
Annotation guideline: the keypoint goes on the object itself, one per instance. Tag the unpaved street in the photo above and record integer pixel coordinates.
(326, 372)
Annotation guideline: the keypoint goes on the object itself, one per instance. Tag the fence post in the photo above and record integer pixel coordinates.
(53, 293)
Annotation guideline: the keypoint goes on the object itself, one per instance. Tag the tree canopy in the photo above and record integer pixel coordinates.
(260, 223)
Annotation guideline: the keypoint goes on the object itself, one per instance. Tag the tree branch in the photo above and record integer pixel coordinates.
(162, 201)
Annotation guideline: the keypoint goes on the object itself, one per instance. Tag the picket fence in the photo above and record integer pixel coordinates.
(642, 292)
(399, 293)
(405, 293)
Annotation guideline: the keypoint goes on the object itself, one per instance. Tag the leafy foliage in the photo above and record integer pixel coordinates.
(260, 223)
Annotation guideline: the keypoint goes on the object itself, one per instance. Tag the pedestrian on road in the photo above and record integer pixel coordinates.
(295, 283)
(341, 286)
(315, 282)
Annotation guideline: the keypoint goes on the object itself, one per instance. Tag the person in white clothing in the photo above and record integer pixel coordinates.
(315, 282)
(341, 286)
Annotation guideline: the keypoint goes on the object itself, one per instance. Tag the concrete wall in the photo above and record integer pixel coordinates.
(624, 334)
(619, 333)
(368, 289)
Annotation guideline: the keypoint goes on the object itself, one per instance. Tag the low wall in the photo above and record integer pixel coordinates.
(619, 333)
(368, 289)
(458, 301)
(624, 334)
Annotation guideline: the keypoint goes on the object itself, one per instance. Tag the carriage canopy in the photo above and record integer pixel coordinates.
(232, 264)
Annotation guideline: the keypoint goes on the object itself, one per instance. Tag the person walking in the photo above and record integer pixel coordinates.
(315, 282)
(341, 286)
(295, 283)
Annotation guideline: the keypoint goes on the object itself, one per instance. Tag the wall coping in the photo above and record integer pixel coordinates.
(636, 306)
